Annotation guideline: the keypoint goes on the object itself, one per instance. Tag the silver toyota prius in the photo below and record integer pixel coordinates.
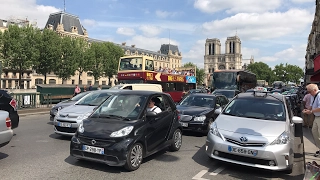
(255, 129)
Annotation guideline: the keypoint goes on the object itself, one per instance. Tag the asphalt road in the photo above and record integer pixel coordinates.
(35, 152)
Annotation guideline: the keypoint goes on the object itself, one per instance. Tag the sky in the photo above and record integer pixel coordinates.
(273, 31)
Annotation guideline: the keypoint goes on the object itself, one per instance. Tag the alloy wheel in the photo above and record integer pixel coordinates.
(136, 155)
(177, 139)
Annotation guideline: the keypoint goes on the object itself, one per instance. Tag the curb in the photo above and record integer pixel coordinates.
(34, 113)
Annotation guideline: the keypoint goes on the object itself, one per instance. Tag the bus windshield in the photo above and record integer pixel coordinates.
(130, 64)
(224, 80)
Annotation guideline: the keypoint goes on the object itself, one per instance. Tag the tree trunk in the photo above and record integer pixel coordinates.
(20, 78)
(110, 83)
(45, 78)
(79, 77)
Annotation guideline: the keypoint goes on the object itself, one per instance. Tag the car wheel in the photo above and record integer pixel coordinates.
(134, 158)
(177, 140)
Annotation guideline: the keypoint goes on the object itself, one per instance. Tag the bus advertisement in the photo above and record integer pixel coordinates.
(140, 69)
(241, 80)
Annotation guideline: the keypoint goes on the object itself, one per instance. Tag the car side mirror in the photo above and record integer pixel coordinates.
(151, 114)
(297, 120)
(217, 111)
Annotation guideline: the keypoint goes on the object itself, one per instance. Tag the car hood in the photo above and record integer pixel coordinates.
(102, 128)
(255, 127)
(65, 103)
(192, 110)
(77, 109)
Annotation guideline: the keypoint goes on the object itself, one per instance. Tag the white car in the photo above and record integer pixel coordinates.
(256, 130)
(6, 132)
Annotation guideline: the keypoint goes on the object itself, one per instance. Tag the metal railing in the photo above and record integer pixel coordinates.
(32, 100)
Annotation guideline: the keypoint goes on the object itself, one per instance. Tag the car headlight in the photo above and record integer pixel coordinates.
(214, 130)
(122, 132)
(282, 139)
(56, 116)
(59, 108)
(200, 118)
(81, 128)
(83, 116)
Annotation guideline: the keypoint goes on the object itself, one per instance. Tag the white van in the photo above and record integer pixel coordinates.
(147, 87)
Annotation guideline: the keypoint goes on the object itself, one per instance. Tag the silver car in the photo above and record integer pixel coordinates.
(6, 132)
(255, 129)
(67, 119)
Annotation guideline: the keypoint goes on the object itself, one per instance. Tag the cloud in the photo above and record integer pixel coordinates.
(26, 9)
(261, 26)
(165, 14)
(150, 30)
(195, 54)
(89, 23)
(232, 6)
(302, 1)
(149, 43)
(126, 31)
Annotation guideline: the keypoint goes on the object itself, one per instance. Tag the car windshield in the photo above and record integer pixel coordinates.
(228, 94)
(79, 96)
(202, 101)
(257, 108)
(94, 98)
(121, 106)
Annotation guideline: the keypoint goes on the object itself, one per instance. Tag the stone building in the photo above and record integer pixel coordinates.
(231, 59)
(312, 57)
(69, 25)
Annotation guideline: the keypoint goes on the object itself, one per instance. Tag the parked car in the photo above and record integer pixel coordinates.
(6, 132)
(255, 129)
(226, 92)
(68, 119)
(66, 103)
(196, 111)
(121, 132)
(9, 104)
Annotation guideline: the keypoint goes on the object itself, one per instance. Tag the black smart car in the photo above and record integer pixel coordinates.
(8, 103)
(196, 111)
(123, 130)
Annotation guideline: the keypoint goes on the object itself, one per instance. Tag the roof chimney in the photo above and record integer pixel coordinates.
(124, 43)
(133, 46)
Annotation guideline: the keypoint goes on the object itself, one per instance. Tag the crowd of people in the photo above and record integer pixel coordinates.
(77, 89)
(174, 71)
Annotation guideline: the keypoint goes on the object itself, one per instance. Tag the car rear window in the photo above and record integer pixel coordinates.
(257, 108)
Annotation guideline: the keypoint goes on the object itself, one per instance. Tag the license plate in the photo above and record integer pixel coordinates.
(242, 151)
(61, 124)
(184, 124)
(93, 149)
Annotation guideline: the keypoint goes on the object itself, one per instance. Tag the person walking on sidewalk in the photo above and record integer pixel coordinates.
(77, 90)
(314, 109)
(307, 118)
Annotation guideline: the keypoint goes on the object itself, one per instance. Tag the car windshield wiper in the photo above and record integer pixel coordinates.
(229, 114)
(113, 116)
(254, 117)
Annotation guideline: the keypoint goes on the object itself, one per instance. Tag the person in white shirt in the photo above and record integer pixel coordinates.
(153, 107)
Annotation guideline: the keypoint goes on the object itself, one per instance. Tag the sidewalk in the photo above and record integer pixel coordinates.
(309, 147)
(33, 111)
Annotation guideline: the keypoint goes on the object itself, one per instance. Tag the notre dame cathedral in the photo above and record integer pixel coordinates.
(231, 59)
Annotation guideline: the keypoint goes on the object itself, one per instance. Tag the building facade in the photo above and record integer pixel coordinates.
(69, 25)
(312, 57)
(231, 59)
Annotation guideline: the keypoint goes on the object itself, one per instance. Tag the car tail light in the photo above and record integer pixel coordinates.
(8, 122)
(13, 103)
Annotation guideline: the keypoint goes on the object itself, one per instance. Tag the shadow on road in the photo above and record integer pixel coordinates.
(59, 137)
(50, 122)
(195, 134)
(3, 155)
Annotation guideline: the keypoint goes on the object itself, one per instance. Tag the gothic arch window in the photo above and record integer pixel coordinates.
(213, 45)
(222, 67)
(210, 49)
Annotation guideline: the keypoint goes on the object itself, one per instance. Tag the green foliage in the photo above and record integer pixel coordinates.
(84, 58)
(200, 73)
(262, 71)
(97, 50)
(20, 48)
(49, 46)
(67, 64)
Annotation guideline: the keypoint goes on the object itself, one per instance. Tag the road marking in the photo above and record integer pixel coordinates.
(217, 171)
(200, 174)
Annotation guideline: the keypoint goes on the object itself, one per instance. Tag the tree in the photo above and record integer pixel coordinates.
(262, 71)
(66, 65)
(83, 56)
(49, 46)
(294, 73)
(20, 49)
(111, 60)
(280, 73)
(200, 73)
(97, 51)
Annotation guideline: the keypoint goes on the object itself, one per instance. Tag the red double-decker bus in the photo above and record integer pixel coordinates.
(140, 69)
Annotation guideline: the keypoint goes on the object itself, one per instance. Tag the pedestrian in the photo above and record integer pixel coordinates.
(84, 88)
(99, 87)
(307, 118)
(90, 87)
(314, 109)
(77, 90)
